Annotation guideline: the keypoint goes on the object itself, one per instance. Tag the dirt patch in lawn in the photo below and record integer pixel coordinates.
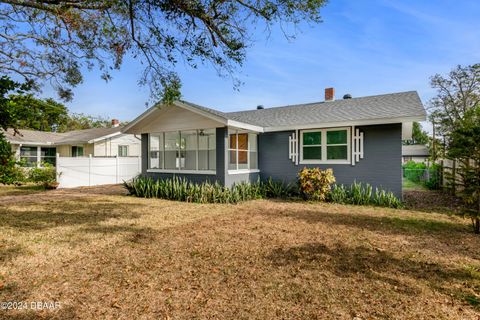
(118, 257)
(432, 201)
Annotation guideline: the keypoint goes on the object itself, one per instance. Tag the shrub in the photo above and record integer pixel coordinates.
(434, 177)
(45, 176)
(361, 194)
(10, 173)
(414, 171)
(315, 184)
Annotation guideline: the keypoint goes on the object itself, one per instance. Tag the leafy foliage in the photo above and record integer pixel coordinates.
(419, 136)
(45, 175)
(80, 121)
(279, 189)
(414, 171)
(464, 145)
(362, 194)
(10, 173)
(315, 183)
(456, 94)
(183, 190)
(56, 40)
(419, 172)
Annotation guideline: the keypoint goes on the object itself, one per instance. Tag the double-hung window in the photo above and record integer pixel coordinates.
(325, 146)
(242, 151)
(123, 151)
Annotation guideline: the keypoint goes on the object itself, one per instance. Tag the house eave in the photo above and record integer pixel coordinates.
(345, 123)
(105, 137)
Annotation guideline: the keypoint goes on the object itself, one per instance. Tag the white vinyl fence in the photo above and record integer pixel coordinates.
(93, 171)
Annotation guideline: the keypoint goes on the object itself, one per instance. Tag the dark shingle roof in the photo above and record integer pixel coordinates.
(82, 136)
(394, 105)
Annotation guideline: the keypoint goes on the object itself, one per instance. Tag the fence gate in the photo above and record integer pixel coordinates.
(93, 171)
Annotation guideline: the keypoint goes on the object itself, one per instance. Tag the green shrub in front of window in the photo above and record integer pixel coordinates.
(44, 176)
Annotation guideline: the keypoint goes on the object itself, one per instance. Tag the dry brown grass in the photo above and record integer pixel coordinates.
(118, 257)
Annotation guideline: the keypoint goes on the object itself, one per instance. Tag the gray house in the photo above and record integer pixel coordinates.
(359, 138)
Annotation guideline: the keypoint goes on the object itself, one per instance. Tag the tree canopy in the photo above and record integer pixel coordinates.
(419, 136)
(20, 109)
(56, 40)
(457, 93)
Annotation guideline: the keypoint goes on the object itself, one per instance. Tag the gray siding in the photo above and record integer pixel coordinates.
(380, 167)
(232, 179)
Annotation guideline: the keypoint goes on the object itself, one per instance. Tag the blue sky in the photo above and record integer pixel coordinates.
(363, 48)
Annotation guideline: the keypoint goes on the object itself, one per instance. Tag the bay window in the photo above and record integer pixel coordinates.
(242, 151)
(325, 146)
(190, 150)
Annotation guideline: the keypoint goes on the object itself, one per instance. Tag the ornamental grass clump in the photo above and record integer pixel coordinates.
(315, 183)
(180, 189)
(362, 194)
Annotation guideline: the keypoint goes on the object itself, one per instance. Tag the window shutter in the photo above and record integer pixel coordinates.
(357, 145)
(293, 147)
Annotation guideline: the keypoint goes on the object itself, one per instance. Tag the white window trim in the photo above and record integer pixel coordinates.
(178, 170)
(249, 149)
(120, 146)
(213, 172)
(243, 171)
(324, 146)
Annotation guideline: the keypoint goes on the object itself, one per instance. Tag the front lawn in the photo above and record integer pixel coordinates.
(118, 257)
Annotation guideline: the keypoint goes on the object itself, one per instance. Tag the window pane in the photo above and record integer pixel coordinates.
(172, 142)
(232, 160)
(189, 149)
(337, 153)
(252, 137)
(29, 161)
(156, 151)
(206, 149)
(312, 138)
(232, 141)
(48, 152)
(77, 151)
(50, 160)
(337, 137)
(242, 141)
(253, 160)
(242, 159)
(28, 151)
(312, 153)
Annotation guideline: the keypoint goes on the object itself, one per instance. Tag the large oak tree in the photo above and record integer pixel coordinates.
(53, 40)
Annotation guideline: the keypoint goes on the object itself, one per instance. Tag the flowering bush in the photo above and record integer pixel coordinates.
(315, 183)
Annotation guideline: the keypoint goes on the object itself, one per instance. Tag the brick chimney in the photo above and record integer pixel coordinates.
(115, 123)
(329, 94)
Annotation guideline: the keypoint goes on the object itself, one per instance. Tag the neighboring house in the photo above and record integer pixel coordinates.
(35, 147)
(415, 152)
(359, 138)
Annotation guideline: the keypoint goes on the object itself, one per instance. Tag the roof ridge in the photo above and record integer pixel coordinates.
(320, 102)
